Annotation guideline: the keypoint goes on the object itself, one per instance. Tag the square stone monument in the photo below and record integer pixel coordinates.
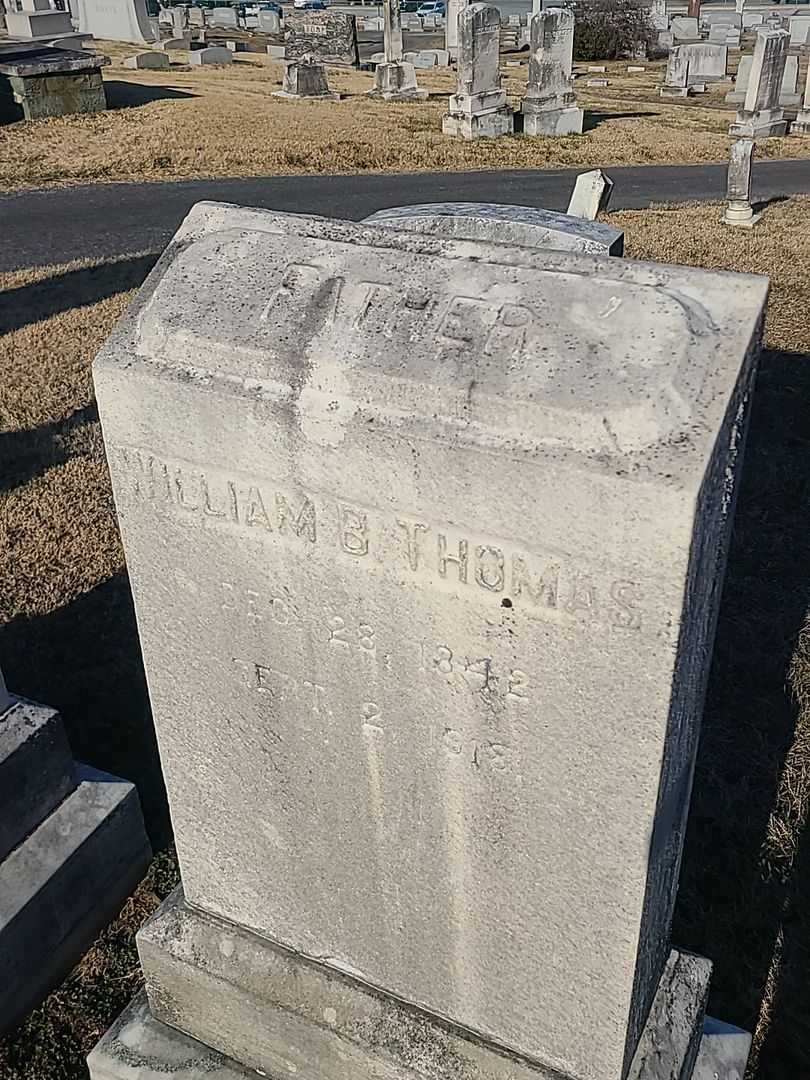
(801, 125)
(427, 613)
(478, 108)
(549, 107)
(305, 78)
(72, 849)
(761, 115)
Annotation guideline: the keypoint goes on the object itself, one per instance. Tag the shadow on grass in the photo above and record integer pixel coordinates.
(29, 453)
(72, 289)
(85, 660)
(129, 95)
(736, 873)
(593, 118)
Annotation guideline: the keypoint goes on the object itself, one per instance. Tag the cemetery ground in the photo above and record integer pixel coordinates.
(223, 121)
(68, 637)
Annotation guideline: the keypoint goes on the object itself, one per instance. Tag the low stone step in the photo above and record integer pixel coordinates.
(36, 769)
(66, 882)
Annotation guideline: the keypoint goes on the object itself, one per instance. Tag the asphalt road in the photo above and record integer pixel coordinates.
(43, 226)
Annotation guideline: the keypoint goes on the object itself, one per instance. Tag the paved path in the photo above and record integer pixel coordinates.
(53, 225)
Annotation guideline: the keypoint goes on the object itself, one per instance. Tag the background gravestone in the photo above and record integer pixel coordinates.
(116, 20)
(427, 613)
(328, 36)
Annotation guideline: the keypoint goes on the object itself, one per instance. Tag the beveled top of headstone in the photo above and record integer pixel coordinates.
(637, 385)
(499, 223)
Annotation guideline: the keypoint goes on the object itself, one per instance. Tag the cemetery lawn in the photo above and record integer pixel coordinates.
(68, 637)
(224, 121)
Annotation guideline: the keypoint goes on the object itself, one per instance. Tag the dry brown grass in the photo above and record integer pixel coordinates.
(224, 121)
(67, 636)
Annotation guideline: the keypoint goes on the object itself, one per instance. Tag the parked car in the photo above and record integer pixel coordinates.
(309, 5)
(409, 6)
(431, 7)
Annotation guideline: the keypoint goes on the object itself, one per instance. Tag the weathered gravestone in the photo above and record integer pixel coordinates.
(330, 37)
(676, 78)
(549, 107)
(707, 62)
(305, 78)
(224, 16)
(787, 92)
(214, 54)
(116, 20)
(147, 60)
(395, 79)
(72, 848)
(761, 115)
(801, 125)
(269, 22)
(454, 9)
(591, 195)
(427, 546)
(478, 108)
(524, 226)
(739, 210)
(799, 28)
(684, 29)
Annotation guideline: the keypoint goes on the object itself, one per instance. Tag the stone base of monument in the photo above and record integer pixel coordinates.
(740, 214)
(397, 82)
(244, 1003)
(139, 1047)
(38, 81)
(479, 125)
(74, 846)
(674, 91)
(567, 121)
(305, 79)
(476, 116)
(759, 125)
(801, 125)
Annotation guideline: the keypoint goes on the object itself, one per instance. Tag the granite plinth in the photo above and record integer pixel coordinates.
(273, 1011)
(566, 121)
(63, 884)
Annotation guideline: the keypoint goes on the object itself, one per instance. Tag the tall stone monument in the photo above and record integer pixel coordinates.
(739, 210)
(427, 613)
(454, 9)
(72, 849)
(801, 125)
(395, 79)
(549, 107)
(478, 108)
(761, 114)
